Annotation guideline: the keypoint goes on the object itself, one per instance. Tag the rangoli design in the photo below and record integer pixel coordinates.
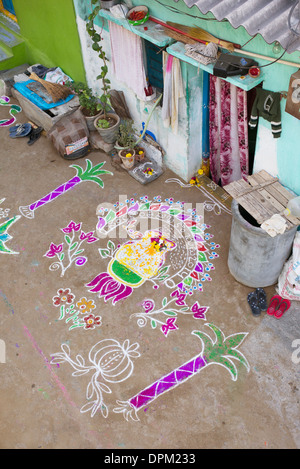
(222, 352)
(91, 173)
(165, 317)
(14, 109)
(110, 362)
(4, 212)
(5, 237)
(176, 254)
(77, 313)
(213, 204)
(74, 238)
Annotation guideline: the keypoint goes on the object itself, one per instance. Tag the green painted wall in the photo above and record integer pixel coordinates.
(50, 31)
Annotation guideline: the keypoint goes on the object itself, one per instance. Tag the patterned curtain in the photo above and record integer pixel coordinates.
(228, 132)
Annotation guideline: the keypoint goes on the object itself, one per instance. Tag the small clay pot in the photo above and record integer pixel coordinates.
(128, 161)
(139, 154)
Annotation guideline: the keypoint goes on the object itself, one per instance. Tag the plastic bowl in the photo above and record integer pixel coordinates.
(138, 22)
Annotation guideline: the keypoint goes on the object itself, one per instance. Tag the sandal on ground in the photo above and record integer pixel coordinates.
(262, 299)
(20, 130)
(283, 307)
(252, 299)
(35, 135)
(274, 304)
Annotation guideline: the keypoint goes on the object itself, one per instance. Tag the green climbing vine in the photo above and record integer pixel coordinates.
(97, 46)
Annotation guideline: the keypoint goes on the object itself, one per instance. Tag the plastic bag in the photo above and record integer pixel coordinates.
(57, 76)
(289, 279)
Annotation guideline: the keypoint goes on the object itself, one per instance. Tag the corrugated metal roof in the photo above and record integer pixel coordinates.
(273, 19)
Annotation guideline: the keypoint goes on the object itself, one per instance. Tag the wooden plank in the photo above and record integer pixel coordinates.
(281, 195)
(259, 211)
(266, 192)
(262, 197)
(256, 180)
(236, 188)
(275, 207)
(250, 201)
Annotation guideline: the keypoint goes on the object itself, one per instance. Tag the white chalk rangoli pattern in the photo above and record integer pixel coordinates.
(110, 362)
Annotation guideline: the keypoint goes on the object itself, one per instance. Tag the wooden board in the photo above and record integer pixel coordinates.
(262, 196)
(43, 118)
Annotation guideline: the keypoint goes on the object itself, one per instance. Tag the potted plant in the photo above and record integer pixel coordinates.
(126, 143)
(89, 103)
(107, 124)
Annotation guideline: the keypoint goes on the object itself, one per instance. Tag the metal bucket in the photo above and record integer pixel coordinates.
(256, 259)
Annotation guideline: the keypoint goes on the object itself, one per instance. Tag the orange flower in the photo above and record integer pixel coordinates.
(85, 306)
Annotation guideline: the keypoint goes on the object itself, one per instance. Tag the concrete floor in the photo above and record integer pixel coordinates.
(47, 400)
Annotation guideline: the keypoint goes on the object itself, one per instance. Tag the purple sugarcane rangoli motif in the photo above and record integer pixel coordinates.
(222, 351)
(91, 173)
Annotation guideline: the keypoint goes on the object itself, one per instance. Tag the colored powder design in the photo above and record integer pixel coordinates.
(221, 351)
(133, 264)
(144, 258)
(14, 109)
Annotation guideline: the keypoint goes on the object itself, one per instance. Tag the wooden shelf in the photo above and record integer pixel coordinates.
(246, 82)
(152, 34)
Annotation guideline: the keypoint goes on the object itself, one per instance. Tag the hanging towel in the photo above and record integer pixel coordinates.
(173, 90)
(127, 59)
(267, 106)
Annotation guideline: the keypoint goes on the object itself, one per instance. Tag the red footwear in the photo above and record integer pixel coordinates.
(283, 307)
(274, 304)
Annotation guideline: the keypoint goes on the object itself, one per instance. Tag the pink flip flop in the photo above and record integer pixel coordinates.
(283, 307)
(274, 304)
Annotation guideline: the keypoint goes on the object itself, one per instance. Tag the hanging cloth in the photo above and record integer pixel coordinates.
(173, 90)
(267, 106)
(228, 132)
(128, 59)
